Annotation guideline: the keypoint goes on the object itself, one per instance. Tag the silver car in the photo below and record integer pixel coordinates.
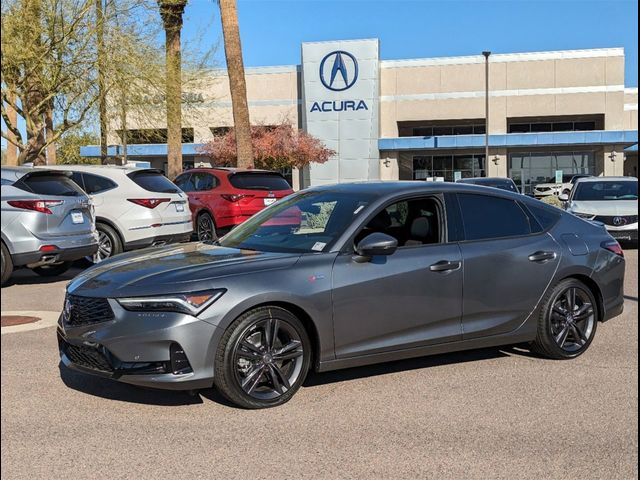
(47, 221)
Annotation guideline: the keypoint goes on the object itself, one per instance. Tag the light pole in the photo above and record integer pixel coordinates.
(486, 105)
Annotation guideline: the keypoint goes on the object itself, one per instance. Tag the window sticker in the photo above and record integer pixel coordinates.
(318, 246)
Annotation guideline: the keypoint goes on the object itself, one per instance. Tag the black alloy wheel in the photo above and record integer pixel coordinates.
(568, 322)
(263, 358)
(205, 228)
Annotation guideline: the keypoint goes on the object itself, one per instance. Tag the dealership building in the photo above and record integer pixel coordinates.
(422, 118)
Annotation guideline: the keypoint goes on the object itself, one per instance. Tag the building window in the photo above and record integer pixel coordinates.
(219, 131)
(555, 124)
(426, 167)
(528, 169)
(146, 136)
(431, 128)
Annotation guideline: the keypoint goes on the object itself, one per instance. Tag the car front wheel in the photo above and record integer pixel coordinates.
(567, 322)
(262, 358)
(7, 264)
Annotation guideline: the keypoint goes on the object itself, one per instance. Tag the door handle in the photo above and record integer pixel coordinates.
(444, 266)
(542, 257)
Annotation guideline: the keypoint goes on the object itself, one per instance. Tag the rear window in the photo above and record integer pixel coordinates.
(53, 185)
(486, 217)
(259, 181)
(153, 181)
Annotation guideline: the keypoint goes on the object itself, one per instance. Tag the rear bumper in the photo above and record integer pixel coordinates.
(158, 240)
(55, 256)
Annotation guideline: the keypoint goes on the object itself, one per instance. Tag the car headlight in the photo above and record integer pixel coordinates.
(189, 303)
(585, 216)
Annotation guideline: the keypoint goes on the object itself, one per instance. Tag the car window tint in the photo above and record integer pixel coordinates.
(77, 178)
(184, 183)
(96, 184)
(486, 217)
(259, 181)
(202, 181)
(55, 185)
(153, 181)
(546, 216)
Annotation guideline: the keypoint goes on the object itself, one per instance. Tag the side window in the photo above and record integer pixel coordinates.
(202, 182)
(486, 217)
(184, 183)
(96, 184)
(546, 216)
(77, 177)
(412, 222)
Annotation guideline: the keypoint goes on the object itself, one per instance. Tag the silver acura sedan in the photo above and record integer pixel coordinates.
(341, 276)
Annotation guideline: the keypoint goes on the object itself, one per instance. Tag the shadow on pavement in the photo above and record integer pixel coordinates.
(314, 378)
(112, 390)
(24, 276)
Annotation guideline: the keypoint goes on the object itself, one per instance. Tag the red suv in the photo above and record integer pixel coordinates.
(221, 198)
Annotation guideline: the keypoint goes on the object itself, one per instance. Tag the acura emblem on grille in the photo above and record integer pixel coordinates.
(619, 221)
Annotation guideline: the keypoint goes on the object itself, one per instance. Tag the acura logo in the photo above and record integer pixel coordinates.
(619, 221)
(338, 70)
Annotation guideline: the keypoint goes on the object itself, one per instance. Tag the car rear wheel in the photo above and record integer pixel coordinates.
(568, 321)
(52, 270)
(7, 264)
(205, 228)
(109, 243)
(262, 358)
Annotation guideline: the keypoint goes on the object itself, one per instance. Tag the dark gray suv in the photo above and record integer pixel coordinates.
(341, 276)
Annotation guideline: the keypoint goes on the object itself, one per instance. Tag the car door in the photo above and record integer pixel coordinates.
(508, 264)
(408, 299)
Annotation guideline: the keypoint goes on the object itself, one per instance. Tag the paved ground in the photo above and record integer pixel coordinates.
(494, 413)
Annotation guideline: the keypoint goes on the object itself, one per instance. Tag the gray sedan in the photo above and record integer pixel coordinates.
(341, 276)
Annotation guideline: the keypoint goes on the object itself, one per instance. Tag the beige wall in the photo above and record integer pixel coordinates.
(521, 85)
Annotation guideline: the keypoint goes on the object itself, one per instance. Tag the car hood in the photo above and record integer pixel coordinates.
(179, 268)
(606, 207)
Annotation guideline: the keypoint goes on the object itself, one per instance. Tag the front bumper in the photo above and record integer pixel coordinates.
(624, 234)
(55, 256)
(135, 348)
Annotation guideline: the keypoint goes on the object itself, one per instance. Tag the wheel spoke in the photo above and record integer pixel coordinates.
(561, 338)
(579, 334)
(251, 347)
(252, 379)
(557, 308)
(571, 299)
(275, 380)
(585, 310)
(271, 327)
(281, 377)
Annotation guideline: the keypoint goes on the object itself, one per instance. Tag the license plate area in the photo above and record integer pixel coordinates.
(77, 217)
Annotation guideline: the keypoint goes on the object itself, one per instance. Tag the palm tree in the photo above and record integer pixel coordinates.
(237, 85)
(171, 12)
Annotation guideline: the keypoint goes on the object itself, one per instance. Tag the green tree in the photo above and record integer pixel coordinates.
(69, 148)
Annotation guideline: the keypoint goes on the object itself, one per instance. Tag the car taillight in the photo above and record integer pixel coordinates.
(234, 197)
(42, 206)
(613, 247)
(148, 202)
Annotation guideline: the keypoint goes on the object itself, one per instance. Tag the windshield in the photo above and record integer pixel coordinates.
(606, 190)
(306, 222)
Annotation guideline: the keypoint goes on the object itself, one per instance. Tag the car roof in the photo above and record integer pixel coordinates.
(230, 170)
(607, 179)
(10, 172)
(101, 169)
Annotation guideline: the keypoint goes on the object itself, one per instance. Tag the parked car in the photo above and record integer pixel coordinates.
(47, 222)
(495, 182)
(135, 207)
(221, 198)
(552, 188)
(612, 201)
(371, 272)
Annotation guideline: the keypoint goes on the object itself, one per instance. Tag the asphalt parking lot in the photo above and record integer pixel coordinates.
(492, 413)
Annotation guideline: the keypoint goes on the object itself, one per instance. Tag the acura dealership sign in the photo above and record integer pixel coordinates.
(341, 95)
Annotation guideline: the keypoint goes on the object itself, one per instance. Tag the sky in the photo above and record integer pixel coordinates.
(272, 31)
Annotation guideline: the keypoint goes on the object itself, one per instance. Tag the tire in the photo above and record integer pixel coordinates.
(7, 264)
(566, 328)
(248, 370)
(52, 270)
(109, 243)
(206, 228)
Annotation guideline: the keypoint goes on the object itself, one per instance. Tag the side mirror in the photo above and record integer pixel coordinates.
(563, 197)
(375, 244)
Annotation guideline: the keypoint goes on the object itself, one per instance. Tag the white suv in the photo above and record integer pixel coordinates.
(547, 189)
(134, 207)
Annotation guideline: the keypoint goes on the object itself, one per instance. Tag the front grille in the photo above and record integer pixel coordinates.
(617, 220)
(86, 310)
(87, 357)
(543, 189)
